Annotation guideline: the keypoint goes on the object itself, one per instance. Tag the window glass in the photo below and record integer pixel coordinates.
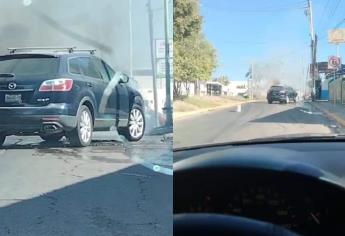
(29, 66)
(73, 66)
(89, 68)
(102, 69)
(110, 71)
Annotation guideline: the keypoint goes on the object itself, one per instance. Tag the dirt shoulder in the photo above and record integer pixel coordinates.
(200, 104)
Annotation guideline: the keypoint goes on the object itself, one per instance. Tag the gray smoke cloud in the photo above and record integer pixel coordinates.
(101, 24)
(284, 70)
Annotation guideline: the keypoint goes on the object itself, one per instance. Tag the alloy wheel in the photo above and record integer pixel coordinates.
(136, 123)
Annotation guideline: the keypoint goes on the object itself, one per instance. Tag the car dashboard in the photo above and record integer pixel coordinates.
(298, 186)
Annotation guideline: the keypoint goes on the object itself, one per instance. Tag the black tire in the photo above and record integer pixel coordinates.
(52, 137)
(269, 102)
(125, 131)
(2, 139)
(75, 136)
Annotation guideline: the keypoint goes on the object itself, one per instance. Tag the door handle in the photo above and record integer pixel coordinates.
(89, 84)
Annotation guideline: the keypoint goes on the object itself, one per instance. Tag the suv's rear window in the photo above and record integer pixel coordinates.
(29, 66)
(277, 88)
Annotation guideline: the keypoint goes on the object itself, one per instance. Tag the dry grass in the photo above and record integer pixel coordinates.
(202, 102)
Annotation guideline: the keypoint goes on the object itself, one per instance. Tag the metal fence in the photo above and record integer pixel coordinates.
(336, 87)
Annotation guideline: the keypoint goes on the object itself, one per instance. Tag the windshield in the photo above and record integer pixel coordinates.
(277, 88)
(29, 66)
(246, 71)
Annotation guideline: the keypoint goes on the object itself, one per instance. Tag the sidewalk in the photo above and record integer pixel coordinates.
(332, 111)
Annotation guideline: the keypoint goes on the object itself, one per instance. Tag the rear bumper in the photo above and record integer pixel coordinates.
(56, 117)
(277, 98)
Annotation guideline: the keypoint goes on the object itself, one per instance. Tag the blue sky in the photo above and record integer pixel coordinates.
(256, 31)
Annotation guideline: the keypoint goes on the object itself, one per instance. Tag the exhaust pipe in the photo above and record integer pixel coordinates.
(51, 128)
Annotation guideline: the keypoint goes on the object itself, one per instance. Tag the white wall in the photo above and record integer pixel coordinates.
(233, 88)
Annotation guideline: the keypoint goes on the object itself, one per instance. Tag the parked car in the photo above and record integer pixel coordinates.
(281, 94)
(65, 93)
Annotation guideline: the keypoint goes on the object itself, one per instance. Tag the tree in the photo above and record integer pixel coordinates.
(223, 79)
(187, 19)
(194, 56)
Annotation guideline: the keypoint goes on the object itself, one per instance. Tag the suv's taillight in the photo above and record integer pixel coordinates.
(56, 85)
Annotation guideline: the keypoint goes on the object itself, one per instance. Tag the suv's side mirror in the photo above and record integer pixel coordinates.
(124, 79)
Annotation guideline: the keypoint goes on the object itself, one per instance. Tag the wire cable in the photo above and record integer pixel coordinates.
(323, 14)
(335, 8)
(277, 8)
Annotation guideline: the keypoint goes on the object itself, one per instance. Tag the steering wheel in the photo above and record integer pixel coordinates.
(201, 224)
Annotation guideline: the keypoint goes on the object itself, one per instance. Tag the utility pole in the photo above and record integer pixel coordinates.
(313, 45)
(153, 63)
(316, 73)
(168, 108)
(130, 39)
(251, 83)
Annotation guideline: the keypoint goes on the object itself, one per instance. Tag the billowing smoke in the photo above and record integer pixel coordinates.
(279, 71)
(102, 25)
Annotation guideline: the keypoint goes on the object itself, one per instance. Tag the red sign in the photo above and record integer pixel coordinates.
(334, 62)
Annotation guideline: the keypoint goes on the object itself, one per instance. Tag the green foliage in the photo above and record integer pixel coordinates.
(223, 80)
(194, 56)
(187, 19)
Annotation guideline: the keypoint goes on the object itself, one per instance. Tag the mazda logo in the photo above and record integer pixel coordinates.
(12, 85)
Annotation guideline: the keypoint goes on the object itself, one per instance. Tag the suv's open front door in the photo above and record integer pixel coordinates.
(118, 101)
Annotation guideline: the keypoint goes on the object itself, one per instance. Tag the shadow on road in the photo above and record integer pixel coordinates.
(132, 201)
(61, 144)
(294, 116)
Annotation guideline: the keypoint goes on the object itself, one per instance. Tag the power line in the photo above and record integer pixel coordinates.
(335, 27)
(332, 11)
(277, 8)
(245, 42)
(323, 13)
(339, 24)
(335, 9)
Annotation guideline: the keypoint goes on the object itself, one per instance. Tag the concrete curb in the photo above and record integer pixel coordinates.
(331, 115)
(182, 115)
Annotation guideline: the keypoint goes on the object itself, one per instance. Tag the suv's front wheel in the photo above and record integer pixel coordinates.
(81, 136)
(136, 124)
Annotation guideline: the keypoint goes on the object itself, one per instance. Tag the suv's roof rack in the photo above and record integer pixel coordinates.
(69, 49)
(92, 51)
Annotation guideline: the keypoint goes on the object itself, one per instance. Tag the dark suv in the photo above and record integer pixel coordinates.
(65, 92)
(281, 94)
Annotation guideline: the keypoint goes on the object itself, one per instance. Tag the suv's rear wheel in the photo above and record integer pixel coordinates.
(52, 137)
(136, 124)
(81, 136)
(2, 139)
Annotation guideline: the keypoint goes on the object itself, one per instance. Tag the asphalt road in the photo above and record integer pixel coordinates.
(109, 188)
(256, 120)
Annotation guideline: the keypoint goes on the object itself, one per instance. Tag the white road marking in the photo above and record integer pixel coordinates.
(311, 112)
